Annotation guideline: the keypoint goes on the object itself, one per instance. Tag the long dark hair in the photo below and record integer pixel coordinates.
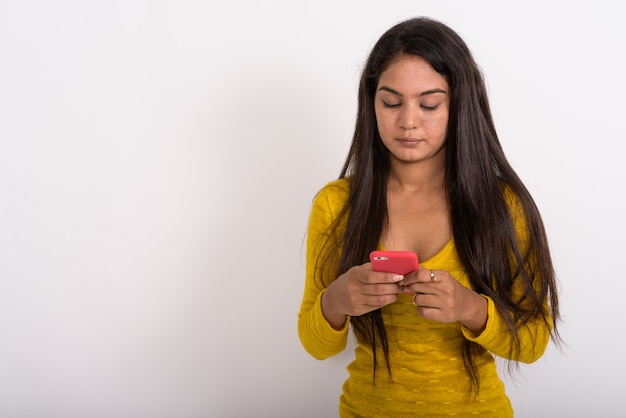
(476, 176)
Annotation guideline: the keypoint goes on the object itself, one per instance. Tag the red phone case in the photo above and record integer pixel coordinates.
(399, 262)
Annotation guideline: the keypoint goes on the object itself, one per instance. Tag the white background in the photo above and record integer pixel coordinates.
(157, 164)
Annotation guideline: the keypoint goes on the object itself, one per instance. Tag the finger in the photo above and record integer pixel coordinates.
(409, 278)
(379, 301)
(422, 275)
(423, 300)
(429, 313)
(374, 277)
(378, 289)
(433, 276)
(426, 288)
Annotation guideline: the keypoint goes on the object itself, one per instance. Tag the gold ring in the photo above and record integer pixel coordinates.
(433, 278)
(414, 294)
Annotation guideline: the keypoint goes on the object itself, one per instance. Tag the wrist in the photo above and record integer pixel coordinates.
(335, 318)
(476, 320)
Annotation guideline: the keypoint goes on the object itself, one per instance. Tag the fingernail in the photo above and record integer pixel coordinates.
(397, 277)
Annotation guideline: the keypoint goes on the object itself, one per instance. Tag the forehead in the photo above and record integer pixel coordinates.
(411, 74)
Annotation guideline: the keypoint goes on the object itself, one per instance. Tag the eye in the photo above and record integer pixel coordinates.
(429, 108)
(390, 105)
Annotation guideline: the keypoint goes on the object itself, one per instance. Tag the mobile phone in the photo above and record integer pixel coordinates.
(399, 262)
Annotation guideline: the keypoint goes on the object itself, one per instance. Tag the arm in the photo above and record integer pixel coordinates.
(316, 334)
(446, 300)
(534, 336)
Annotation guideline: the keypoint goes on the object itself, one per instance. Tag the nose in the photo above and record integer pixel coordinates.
(409, 118)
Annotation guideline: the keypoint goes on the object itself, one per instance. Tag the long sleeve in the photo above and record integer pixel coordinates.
(535, 334)
(534, 337)
(316, 335)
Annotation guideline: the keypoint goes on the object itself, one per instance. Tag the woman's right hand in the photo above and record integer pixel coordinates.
(358, 291)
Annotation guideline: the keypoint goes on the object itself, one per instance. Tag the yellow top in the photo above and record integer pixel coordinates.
(429, 378)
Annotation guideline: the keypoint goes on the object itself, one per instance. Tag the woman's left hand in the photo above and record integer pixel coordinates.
(438, 296)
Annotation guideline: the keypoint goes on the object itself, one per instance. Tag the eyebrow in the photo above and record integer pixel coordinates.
(424, 93)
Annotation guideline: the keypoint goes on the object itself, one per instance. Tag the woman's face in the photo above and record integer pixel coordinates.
(411, 105)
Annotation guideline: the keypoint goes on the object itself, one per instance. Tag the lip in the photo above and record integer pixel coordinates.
(409, 141)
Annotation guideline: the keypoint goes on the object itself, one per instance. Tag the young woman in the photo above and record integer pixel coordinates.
(426, 173)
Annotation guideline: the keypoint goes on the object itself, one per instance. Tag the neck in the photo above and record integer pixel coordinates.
(418, 177)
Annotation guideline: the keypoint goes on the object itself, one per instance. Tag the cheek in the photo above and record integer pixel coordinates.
(380, 124)
(435, 119)
(437, 123)
(384, 123)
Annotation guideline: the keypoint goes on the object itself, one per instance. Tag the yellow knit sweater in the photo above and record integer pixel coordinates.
(428, 376)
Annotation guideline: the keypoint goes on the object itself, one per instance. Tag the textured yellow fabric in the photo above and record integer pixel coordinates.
(429, 378)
